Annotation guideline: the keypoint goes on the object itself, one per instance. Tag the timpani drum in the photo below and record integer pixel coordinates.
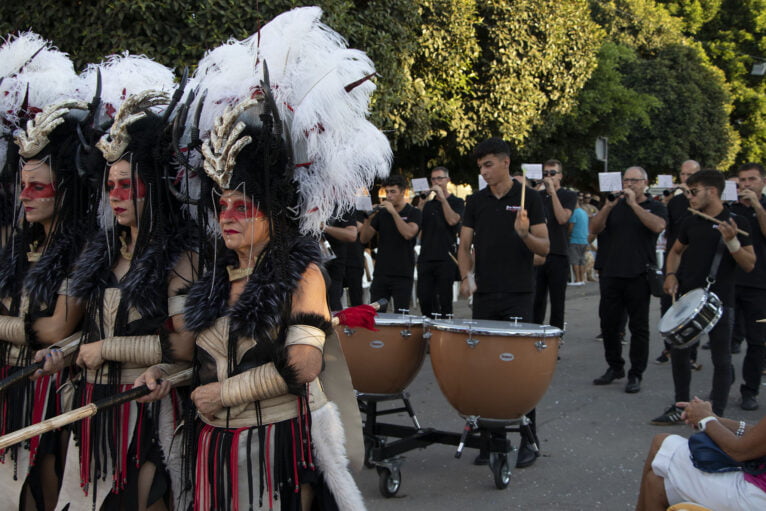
(386, 361)
(493, 369)
(694, 314)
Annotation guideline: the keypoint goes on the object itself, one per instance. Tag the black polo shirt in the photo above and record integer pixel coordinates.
(396, 255)
(503, 261)
(701, 238)
(355, 250)
(557, 233)
(438, 238)
(626, 245)
(340, 248)
(757, 277)
(678, 210)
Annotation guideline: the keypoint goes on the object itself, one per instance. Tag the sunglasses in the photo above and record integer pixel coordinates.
(547, 173)
(694, 191)
(438, 178)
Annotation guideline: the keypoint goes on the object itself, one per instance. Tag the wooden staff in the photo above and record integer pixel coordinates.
(453, 259)
(67, 347)
(86, 411)
(714, 220)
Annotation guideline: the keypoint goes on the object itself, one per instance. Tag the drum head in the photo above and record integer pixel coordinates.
(388, 319)
(498, 328)
(683, 310)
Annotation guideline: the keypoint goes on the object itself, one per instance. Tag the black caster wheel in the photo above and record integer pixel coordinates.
(389, 481)
(371, 443)
(498, 463)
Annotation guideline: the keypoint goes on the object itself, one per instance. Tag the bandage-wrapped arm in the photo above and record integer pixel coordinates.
(12, 330)
(138, 349)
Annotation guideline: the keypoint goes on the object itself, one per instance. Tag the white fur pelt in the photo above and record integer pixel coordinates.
(328, 442)
(322, 90)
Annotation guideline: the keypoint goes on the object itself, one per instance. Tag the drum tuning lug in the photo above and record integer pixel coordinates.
(515, 320)
(472, 342)
(406, 332)
(540, 345)
(436, 315)
(450, 317)
(404, 312)
(348, 331)
(427, 334)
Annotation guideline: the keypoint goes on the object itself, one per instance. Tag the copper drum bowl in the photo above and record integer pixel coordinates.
(386, 361)
(493, 369)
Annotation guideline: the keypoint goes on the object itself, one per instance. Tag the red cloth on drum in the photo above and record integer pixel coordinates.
(359, 316)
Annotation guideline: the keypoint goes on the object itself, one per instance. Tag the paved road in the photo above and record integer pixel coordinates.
(594, 439)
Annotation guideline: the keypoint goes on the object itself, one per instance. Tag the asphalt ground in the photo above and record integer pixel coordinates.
(594, 439)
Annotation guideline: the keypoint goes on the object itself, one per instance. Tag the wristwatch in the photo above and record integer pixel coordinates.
(703, 423)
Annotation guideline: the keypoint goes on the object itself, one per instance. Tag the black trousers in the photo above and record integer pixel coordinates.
(552, 280)
(502, 306)
(336, 269)
(352, 279)
(751, 303)
(388, 287)
(618, 296)
(435, 280)
(720, 352)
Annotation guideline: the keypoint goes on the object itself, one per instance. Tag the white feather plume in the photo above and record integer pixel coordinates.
(309, 68)
(124, 75)
(30, 67)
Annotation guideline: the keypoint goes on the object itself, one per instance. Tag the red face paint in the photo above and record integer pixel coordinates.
(34, 191)
(121, 190)
(238, 210)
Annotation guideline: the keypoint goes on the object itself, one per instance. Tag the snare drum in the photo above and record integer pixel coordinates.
(493, 369)
(386, 361)
(694, 314)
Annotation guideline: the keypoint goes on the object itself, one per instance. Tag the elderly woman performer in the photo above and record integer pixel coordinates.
(669, 477)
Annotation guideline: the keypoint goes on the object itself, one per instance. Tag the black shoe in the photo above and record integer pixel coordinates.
(736, 348)
(696, 366)
(481, 459)
(669, 417)
(633, 385)
(749, 403)
(526, 455)
(663, 359)
(609, 376)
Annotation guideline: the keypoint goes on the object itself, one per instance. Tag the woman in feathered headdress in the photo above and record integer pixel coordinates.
(269, 430)
(39, 86)
(130, 279)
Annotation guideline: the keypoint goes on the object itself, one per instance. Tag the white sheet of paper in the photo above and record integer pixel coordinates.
(482, 183)
(665, 181)
(533, 170)
(420, 184)
(364, 203)
(730, 191)
(609, 181)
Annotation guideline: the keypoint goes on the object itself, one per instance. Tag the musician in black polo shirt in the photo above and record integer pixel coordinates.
(438, 245)
(505, 239)
(678, 210)
(340, 232)
(688, 266)
(628, 227)
(751, 287)
(397, 223)
(552, 276)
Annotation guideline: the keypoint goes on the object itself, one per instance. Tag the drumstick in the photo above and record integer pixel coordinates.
(453, 258)
(523, 187)
(761, 320)
(715, 220)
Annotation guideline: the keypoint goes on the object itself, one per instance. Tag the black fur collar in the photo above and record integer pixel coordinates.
(261, 307)
(142, 287)
(43, 279)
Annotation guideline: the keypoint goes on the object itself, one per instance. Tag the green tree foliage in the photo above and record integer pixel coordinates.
(692, 121)
(608, 105)
(640, 24)
(735, 38)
